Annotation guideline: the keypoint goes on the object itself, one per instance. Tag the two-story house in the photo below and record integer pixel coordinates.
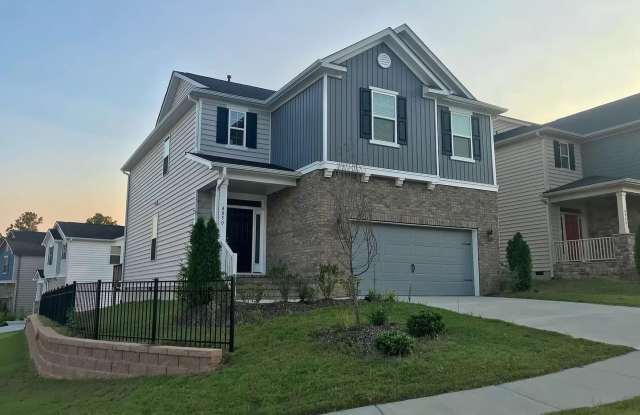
(262, 163)
(20, 257)
(80, 252)
(572, 188)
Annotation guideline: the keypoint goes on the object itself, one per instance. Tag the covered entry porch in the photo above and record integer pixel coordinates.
(237, 201)
(592, 225)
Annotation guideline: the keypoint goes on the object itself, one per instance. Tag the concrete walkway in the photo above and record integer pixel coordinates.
(13, 326)
(599, 383)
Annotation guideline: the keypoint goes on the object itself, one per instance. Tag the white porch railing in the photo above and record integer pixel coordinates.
(585, 250)
(228, 260)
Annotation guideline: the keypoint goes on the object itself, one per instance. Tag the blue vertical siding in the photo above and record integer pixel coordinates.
(482, 170)
(616, 156)
(296, 135)
(4, 252)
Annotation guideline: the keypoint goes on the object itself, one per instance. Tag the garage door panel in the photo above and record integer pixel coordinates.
(442, 258)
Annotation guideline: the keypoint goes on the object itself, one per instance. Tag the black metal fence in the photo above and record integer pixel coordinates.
(154, 312)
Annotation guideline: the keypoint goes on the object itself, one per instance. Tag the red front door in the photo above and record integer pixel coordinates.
(572, 233)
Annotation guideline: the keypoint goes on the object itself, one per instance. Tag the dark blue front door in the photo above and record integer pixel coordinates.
(239, 235)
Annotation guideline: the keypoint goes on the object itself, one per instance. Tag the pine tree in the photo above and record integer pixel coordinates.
(519, 259)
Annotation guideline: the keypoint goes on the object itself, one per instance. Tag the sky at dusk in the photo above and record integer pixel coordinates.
(81, 83)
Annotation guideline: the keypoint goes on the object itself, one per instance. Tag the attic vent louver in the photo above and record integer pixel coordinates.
(384, 60)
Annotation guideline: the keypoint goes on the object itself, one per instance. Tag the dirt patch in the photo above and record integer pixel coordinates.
(357, 339)
(252, 313)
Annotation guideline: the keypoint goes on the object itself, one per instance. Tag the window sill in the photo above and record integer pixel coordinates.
(465, 159)
(384, 143)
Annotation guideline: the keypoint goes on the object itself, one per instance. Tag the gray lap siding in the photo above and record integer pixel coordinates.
(300, 229)
(172, 197)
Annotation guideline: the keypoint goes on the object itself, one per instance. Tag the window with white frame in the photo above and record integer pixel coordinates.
(237, 128)
(154, 237)
(50, 256)
(383, 116)
(461, 132)
(165, 156)
(5, 264)
(564, 156)
(114, 257)
(63, 254)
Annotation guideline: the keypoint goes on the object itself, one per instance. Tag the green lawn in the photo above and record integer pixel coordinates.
(629, 407)
(593, 290)
(279, 368)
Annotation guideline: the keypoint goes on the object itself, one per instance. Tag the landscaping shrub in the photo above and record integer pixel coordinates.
(327, 280)
(637, 249)
(390, 297)
(306, 291)
(345, 319)
(379, 316)
(395, 343)
(251, 294)
(425, 324)
(373, 296)
(519, 259)
(280, 276)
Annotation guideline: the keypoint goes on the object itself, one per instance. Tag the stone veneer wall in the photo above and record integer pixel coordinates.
(300, 227)
(624, 265)
(61, 357)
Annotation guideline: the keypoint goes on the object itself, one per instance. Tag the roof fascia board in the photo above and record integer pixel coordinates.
(604, 133)
(424, 48)
(539, 132)
(521, 123)
(598, 189)
(92, 239)
(472, 104)
(207, 93)
(164, 125)
(241, 167)
(171, 88)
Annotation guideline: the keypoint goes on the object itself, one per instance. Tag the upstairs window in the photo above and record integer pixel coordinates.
(165, 156)
(461, 131)
(63, 254)
(237, 130)
(564, 155)
(384, 116)
(5, 264)
(154, 236)
(50, 256)
(114, 257)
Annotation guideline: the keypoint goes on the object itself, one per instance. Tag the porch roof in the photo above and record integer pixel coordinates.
(237, 162)
(593, 186)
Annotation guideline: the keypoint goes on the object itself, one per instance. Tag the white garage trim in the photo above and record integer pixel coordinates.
(474, 246)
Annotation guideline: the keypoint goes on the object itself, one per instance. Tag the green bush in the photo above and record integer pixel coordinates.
(390, 297)
(426, 324)
(638, 249)
(379, 316)
(327, 280)
(395, 343)
(519, 259)
(281, 277)
(306, 291)
(373, 296)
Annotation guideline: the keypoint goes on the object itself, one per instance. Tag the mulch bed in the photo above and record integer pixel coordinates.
(357, 339)
(252, 313)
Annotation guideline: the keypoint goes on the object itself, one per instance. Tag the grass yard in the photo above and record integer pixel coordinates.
(629, 407)
(280, 368)
(593, 290)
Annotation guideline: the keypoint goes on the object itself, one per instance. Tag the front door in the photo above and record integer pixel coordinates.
(572, 232)
(239, 236)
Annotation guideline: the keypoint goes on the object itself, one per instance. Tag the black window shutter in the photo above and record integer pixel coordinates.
(252, 129)
(222, 128)
(445, 131)
(475, 134)
(365, 113)
(402, 120)
(572, 156)
(556, 153)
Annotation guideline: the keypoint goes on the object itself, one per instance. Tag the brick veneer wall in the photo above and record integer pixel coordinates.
(61, 357)
(300, 226)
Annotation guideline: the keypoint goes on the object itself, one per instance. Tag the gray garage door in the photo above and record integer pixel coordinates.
(420, 261)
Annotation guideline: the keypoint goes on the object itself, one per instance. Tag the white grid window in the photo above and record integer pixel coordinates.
(237, 128)
(383, 117)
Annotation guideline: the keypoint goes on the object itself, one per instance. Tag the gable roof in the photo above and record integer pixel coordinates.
(55, 234)
(228, 87)
(90, 231)
(25, 243)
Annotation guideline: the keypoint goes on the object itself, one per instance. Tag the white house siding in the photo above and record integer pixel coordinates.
(521, 208)
(26, 287)
(53, 270)
(176, 95)
(208, 145)
(172, 197)
(89, 261)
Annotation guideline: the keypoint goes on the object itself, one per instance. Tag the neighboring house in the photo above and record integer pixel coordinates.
(572, 188)
(20, 256)
(80, 252)
(262, 163)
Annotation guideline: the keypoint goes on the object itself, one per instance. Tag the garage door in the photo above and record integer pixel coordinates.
(420, 261)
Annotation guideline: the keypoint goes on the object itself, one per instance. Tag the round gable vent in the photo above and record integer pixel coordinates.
(384, 60)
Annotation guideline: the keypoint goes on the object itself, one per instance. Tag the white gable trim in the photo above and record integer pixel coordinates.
(171, 91)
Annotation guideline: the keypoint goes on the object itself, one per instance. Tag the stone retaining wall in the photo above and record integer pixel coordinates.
(61, 357)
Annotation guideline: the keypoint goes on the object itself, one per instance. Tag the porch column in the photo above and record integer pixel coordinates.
(220, 208)
(623, 219)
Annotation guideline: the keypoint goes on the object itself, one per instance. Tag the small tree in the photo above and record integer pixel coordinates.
(519, 259)
(353, 228)
(27, 221)
(100, 219)
(203, 262)
(637, 249)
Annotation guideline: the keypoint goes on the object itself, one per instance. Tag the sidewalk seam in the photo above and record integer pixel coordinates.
(502, 386)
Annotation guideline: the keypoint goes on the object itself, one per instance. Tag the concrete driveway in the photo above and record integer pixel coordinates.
(603, 323)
